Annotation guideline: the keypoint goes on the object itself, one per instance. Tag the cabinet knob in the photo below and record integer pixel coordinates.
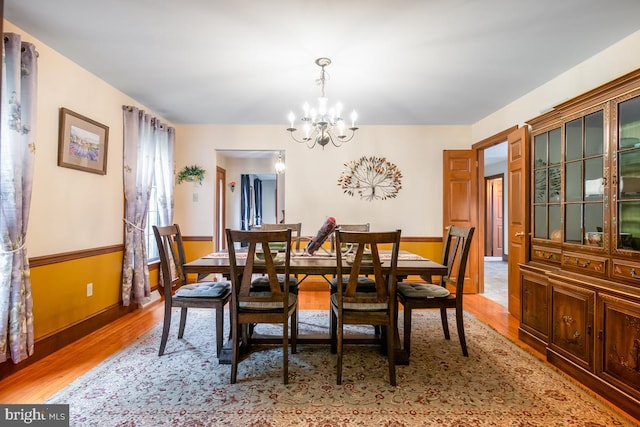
(600, 334)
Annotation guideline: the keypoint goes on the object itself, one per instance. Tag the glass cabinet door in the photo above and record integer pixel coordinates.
(584, 182)
(628, 173)
(547, 185)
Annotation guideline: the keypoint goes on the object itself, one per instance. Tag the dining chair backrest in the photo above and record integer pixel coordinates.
(457, 246)
(367, 255)
(258, 257)
(348, 227)
(296, 231)
(171, 252)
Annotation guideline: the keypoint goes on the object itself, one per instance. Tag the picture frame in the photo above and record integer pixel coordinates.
(82, 143)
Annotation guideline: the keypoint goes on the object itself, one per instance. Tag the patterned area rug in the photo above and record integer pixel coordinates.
(499, 384)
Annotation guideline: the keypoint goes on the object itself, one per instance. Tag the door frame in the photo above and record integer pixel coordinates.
(220, 209)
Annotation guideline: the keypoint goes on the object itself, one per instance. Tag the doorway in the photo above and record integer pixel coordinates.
(259, 165)
(221, 208)
(494, 217)
(494, 209)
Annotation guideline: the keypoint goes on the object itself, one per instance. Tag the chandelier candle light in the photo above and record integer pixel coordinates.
(322, 125)
(280, 166)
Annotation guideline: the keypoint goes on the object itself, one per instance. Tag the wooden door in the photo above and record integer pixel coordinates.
(494, 237)
(220, 198)
(460, 204)
(518, 232)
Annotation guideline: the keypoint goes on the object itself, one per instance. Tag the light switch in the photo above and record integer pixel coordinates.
(195, 197)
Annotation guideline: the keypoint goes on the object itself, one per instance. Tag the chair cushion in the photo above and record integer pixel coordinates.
(360, 306)
(422, 290)
(264, 305)
(365, 284)
(261, 283)
(203, 290)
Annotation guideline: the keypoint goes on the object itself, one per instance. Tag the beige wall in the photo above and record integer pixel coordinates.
(311, 190)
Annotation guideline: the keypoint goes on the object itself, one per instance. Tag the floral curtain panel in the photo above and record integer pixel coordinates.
(17, 156)
(147, 143)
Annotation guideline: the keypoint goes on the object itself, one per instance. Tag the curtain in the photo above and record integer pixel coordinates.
(245, 202)
(164, 177)
(17, 155)
(257, 194)
(146, 141)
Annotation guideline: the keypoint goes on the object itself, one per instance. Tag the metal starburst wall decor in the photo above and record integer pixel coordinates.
(371, 178)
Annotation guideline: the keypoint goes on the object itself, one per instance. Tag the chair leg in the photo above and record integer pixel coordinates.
(285, 351)
(460, 323)
(165, 329)
(235, 351)
(391, 353)
(407, 329)
(445, 323)
(340, 350)
(244, 330)
(219, 328)
(183, 321)
(332, 329)
(294, 331)
(383, 336)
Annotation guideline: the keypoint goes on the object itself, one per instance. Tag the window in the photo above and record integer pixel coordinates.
(153, 218)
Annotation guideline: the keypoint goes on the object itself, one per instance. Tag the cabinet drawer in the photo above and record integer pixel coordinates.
(547, 255)
(585, 263)
(626, 270)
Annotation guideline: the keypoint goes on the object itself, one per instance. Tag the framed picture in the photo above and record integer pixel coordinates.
(82, 143)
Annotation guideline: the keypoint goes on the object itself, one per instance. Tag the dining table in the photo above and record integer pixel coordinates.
(322, 263)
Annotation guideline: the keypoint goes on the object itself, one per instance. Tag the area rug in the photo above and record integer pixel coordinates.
(499, 384)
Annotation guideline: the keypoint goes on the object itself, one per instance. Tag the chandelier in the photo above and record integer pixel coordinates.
(323, 125)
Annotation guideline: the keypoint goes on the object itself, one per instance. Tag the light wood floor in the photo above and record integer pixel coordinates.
(41, 380)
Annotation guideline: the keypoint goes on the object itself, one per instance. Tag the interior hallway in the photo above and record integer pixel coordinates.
(495, 280)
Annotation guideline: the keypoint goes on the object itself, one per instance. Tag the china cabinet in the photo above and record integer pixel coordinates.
(580, 290)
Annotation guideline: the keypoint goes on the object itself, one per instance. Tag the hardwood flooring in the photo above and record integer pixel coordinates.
(36, 383)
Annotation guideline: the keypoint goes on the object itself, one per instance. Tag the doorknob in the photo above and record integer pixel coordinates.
(519, 234)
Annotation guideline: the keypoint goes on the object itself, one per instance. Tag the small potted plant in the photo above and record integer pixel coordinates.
(193, 173)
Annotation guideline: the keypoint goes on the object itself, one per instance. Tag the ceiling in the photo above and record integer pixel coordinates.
(407, 62)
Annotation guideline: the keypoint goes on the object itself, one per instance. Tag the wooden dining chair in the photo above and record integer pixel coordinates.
(349, 306)
(260, 283)
(414, 296)
(347, 227)
(365, 284)
(296, 231)
(250, 307)
(176, 291)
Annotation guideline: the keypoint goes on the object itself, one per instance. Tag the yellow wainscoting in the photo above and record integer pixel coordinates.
(60, 290)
